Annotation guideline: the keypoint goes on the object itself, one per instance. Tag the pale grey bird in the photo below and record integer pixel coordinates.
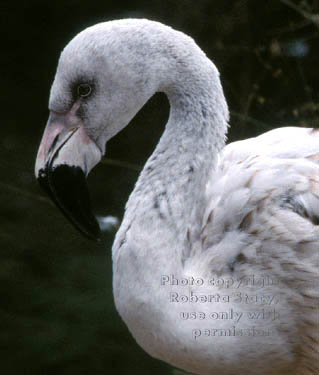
(216, 261)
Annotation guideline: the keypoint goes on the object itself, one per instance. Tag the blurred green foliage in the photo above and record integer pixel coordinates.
(57, 313)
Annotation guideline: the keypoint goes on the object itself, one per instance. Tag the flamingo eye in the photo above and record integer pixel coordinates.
(84, 90)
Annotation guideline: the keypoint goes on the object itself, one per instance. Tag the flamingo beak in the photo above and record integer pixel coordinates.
(66, 155)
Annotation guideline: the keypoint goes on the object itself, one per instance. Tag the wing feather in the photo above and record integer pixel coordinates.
(264, 189)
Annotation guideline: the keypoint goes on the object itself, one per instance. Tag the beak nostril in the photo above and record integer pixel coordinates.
(55, 141)
(56, 149)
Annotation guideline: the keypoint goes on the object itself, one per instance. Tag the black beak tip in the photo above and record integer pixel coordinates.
(66, 186)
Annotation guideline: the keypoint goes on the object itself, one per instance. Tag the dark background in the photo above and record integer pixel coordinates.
(57, 314)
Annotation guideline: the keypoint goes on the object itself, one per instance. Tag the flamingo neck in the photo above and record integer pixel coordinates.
(166, 207)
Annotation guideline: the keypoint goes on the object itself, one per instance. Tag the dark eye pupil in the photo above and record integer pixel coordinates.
(84, 89)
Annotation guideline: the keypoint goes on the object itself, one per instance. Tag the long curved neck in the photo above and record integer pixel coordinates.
(167, 203)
